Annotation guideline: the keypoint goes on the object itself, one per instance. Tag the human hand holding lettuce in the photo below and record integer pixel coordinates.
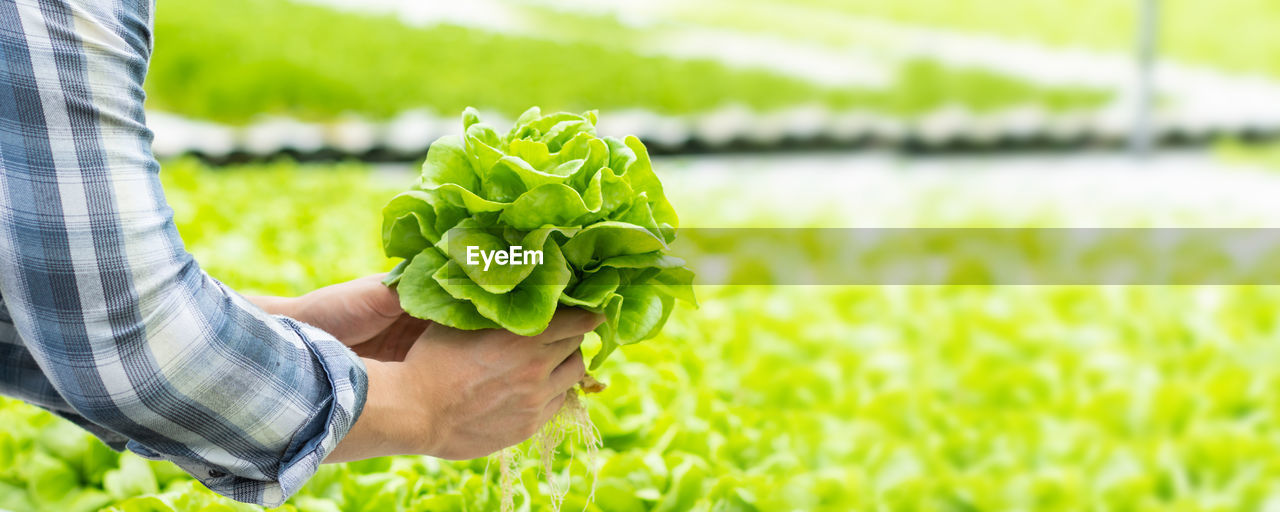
(436, 390)
(363, 314)
(595, 209)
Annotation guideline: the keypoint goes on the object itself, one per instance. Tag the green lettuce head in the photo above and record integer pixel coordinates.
(590, 207)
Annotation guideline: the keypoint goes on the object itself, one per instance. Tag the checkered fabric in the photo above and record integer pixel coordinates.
(104, 317)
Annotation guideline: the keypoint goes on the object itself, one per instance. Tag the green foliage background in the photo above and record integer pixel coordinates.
(235, 60)
(774, 398)
(954, 398)
(1234, 35)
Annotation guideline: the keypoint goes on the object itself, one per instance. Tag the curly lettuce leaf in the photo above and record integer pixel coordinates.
(591, 204)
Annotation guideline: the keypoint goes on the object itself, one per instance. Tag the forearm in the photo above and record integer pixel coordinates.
(286, 306)
(389, 425)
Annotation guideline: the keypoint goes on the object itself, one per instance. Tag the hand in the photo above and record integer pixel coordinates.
(483, 391)
(465, 394)
(363, 314)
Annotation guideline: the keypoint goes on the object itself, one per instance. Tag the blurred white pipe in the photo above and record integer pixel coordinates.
(1148, 26)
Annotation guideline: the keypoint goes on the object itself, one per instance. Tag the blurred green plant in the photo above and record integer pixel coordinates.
(1190, 31)
(272, 215)
(233, 60)
(1262, 156)
(773, 398)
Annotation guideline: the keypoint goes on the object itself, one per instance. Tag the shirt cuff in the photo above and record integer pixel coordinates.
(317, 438)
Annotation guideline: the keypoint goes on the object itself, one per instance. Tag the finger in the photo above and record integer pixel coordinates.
(377, 298)
(400, 337)
(556, 353)
(565, 376)
(411, 325)
(553, 406)
(570, 322)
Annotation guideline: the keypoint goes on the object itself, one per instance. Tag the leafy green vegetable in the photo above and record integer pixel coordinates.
(591, 205)
(134, 477)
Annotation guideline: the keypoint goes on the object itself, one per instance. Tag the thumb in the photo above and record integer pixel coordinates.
(377, 297)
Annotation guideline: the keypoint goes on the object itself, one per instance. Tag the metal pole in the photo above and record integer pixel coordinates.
(1141, 139)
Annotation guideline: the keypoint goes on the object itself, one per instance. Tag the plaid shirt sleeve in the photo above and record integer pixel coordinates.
(109, 321)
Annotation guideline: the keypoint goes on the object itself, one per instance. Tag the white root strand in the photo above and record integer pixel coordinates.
(572, 421)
